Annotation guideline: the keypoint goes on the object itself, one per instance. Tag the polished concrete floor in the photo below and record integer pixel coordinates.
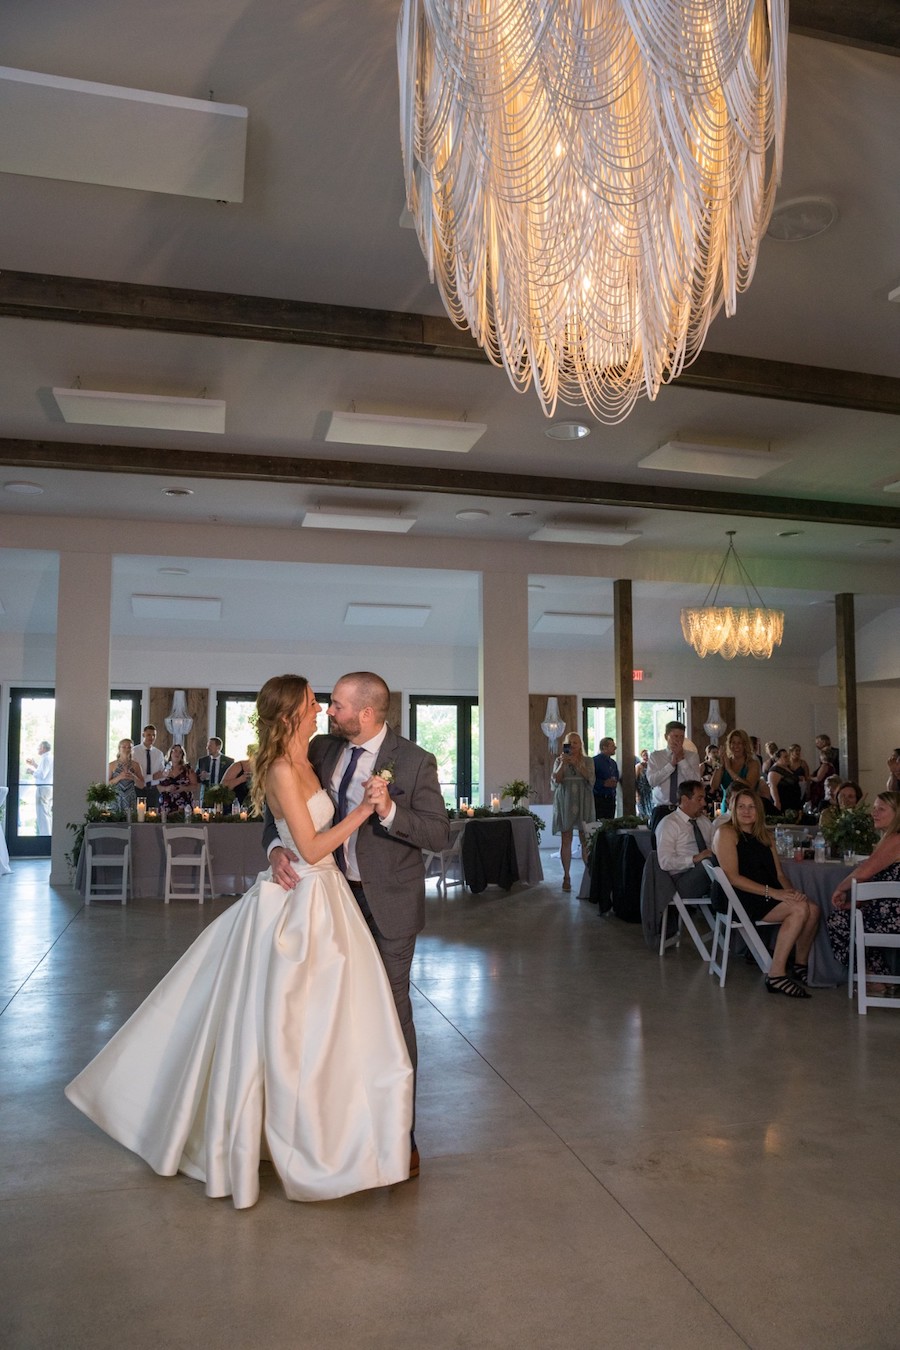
(615, 1153)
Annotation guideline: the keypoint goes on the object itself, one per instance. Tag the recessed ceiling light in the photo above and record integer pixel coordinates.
(520, 515)
(789, 534)
(24, 489)
(565, 532)
(802, 218)
(357, 518)
(408, 433)
(178, 492)
(173, 571)
(473, 514)
(567, 431)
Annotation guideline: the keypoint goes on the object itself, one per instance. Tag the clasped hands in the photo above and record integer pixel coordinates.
(377, 794)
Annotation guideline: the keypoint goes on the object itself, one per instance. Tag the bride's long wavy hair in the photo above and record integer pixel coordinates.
(278, 709)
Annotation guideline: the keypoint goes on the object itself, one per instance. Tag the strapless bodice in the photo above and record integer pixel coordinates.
(321, 809)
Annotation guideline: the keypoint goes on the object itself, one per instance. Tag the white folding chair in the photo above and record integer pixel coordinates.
(860, 892)
(683, 904)
(107, 863)
(446, 858)
(191, 856)
(735, 920)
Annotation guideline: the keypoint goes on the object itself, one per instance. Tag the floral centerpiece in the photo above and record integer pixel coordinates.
(102, 809)
(851, 831)
(518, 790)
(217, 795)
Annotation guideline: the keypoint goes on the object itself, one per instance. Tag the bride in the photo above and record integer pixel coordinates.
(275, 1035)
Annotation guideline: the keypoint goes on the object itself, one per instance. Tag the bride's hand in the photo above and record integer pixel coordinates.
(377, 797)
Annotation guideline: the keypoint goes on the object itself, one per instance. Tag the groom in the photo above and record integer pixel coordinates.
(383, 859)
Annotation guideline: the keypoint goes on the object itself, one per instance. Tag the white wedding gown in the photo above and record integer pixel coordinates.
(275, 1036)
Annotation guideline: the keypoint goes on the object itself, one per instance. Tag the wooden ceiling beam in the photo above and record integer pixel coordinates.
(117, 304)
(332, 473)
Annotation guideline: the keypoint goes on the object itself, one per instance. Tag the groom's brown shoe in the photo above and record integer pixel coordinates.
(414, 1163)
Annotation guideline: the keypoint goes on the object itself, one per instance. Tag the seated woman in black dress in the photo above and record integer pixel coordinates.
(746, 854)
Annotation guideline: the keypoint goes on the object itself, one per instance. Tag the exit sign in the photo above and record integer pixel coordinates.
(637, 675)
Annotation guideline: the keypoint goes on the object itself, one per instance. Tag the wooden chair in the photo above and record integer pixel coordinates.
(860, 892)
(735, 920)
(191, 856)
(107, 852)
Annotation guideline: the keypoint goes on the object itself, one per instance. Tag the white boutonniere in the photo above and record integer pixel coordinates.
(386, 772)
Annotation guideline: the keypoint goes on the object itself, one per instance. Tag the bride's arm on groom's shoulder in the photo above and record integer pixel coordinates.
(285, 801)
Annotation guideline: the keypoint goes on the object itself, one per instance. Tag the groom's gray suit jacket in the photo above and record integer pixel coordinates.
(390, 862)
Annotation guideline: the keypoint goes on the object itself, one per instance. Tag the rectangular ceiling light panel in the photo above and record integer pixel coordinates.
(560, 533)
(101, 408)
(583, 625)
(176, 607)
(403, 433)
(52, 127)
(347, 518)
(390, 616)
(716, 461)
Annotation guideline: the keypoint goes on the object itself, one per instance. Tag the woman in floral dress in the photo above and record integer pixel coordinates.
(879, 916)
(176, 790)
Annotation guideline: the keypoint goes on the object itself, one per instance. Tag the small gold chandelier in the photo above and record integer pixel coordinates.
(750, 630)
(590, 179)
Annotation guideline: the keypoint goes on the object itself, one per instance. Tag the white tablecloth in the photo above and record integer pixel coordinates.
(4, 851)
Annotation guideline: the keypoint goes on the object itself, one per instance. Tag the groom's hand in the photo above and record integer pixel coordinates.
(281, 860)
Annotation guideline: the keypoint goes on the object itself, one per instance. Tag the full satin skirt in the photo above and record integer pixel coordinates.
(275, 1035)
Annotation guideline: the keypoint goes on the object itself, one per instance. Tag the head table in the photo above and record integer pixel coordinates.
(236, 857)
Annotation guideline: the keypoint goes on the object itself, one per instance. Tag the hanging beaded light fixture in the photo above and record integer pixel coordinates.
(590, 179)
(750, 630)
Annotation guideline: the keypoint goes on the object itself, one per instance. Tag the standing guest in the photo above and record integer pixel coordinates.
(879, 916)
(211, 766)
(42, 768)
(572, 781)
(829, 751)
(239, 776)
(176, 787)
(708, 765)
(643, 790)
(152, 762)
(684, 839)
(606, 780)
(784, 784)
(748, 858)
(125, 776)
(382, 859)
(798, 764)
(671, 766)
(893, 782)
(828, 764)
(277, 1030)
(738, 764)
(771, 749)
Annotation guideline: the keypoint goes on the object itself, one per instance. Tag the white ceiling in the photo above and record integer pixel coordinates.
(319, 223)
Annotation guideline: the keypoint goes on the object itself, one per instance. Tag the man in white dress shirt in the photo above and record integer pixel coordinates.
(152, 762)
(683, 840)
(671, 766)
(42, 768)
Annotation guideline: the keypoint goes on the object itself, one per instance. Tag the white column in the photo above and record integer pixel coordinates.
(82, 694)
(503, 680)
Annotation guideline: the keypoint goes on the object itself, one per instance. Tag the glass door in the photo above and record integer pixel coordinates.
(449, 729)
(29, 805)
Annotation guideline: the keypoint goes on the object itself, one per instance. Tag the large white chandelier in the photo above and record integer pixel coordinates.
(750, 630)
(590, 179)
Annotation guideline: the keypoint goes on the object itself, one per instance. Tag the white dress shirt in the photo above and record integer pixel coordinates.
(157, 763)
(363, 770)
(676, 845)
(660, 769)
